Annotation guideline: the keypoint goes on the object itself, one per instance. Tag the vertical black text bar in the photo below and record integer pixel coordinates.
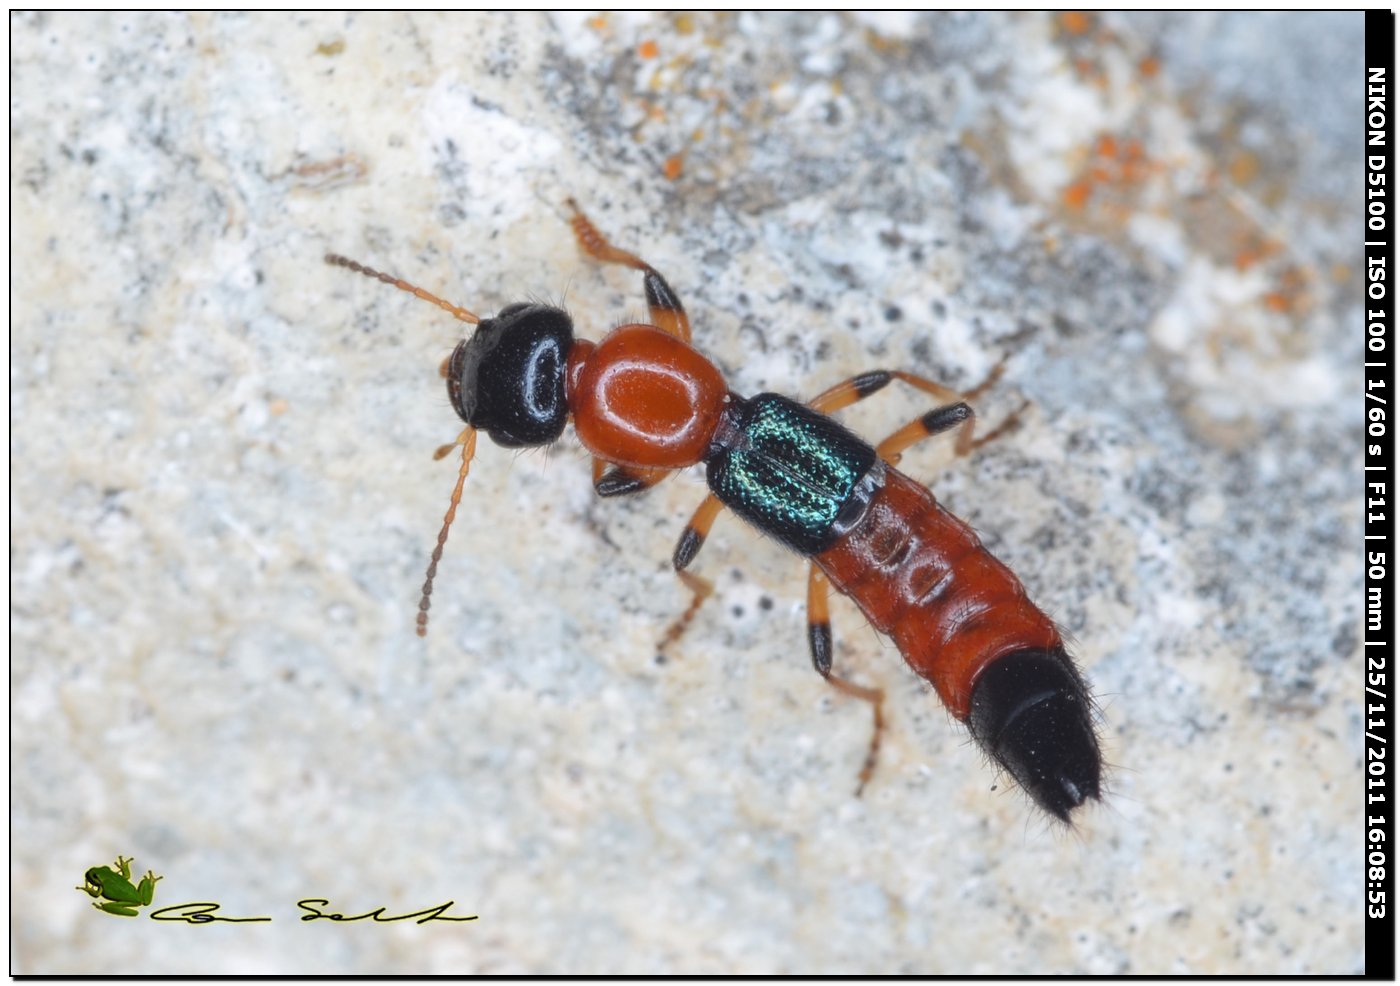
(1379, 398)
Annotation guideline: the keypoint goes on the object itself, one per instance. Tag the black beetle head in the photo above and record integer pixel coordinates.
(508, 378)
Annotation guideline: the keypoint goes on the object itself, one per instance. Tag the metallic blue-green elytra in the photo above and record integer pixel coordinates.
(794, 474)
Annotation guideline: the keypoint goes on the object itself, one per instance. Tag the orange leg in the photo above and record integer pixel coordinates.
(851, 391)
(941, 419)
(693, 537)
(956, 412)
(665, 307)
(700, 590)
(667, 313)
(819, 637)
(689, 545)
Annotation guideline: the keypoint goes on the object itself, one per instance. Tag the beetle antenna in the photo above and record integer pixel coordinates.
(454, 310)
(467, 439)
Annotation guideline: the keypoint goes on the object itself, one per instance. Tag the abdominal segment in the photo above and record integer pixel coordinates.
(921, 576)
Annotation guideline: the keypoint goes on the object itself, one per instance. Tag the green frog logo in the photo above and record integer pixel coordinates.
(114, 890)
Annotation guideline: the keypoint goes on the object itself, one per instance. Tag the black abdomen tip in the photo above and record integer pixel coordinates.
(1031, 714)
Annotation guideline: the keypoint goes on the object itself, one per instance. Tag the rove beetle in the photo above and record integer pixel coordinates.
(645, 403)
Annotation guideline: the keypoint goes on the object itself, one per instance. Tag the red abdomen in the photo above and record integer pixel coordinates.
(921, 576)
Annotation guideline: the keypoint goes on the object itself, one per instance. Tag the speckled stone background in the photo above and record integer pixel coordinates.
(223, 495)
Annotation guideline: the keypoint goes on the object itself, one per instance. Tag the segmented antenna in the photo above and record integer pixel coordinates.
(467, 439)
(454, 310)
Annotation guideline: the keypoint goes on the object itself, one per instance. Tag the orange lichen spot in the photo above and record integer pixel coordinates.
(648, 49)
(1243, 168)
(1133, 161)
(673, 166)
(1149, 66)
(1118, 162)
(879, 42)
(1083, 67)
(1253, 249)
(1075, 21)
(599, 23)
(1076, 195)
(1247, 258)
(277, 406)
(1292, 292)
(1111, 168)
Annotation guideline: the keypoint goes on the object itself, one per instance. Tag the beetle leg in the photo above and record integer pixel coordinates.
(955, 412)
(624, 480)
(693, 537)
(700, 589)
(819, 637)
(667, 312)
